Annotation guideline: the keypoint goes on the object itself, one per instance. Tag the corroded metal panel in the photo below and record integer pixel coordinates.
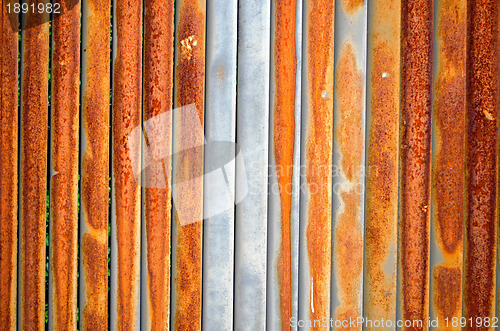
(33, 183)
(349, 160)
(126, 193)
(415, 160)
(481, 150)
(382, 125)
(8, 170)
(157, 207)
(448, 169)
(317, 146)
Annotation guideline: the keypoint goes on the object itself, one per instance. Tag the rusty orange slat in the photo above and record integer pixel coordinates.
(157, 84)
(94, 208)
(126, 194)
(189, 89)
(64, 169)
(283, 147)
(33, 187)
(8, 170)
(482, 102)
(315, 277)
(415, 157)
(384, 35)
(448, 168)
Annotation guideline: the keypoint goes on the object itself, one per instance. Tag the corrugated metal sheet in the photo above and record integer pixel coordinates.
(249, 165)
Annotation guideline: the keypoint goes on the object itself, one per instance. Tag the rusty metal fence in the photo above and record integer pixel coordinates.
(249, 165)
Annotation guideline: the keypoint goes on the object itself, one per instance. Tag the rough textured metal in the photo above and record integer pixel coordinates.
(482, 160)
(64, 169)
(349, 160)
(33, 186)
(187, 239)
(448, 169)
(282, 256)
(218, 230)
(384, 35)
(252, 137)
(316, 186)
(126, 193)
(157, 207)
(93, 303)
(415, 157)
(8, 170)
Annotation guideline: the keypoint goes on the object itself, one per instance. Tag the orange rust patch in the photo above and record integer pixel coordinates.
(320, 31)
(190, 80)
(34, 105)
(382, 174)
(8, 171)
(482, 157)
(95, 165)
(95, 264)
(350, 138)
(158, 75)
(285, 64)
(352, 6)
(64, 182)
(448, 298)
(417, 28)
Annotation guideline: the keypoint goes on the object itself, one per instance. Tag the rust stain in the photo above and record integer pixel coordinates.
(158, 75)
(8, 171)
(449, 163)
(95, 164)
(449, 284)
(482, 157)
(352, 6)
(127, 84)
(285, 64)
(33, 195)
(190, 79)
(320, 50)
(417, 30)
(382, 174)
(350, 138)
(64, 182)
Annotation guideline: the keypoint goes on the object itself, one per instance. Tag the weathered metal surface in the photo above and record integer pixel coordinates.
(33, 185)
(157, 207)
(415, 157)
(64, 169)
(448, 169)
(349, 160)
(220, 125)
(382, 123)
(126, 193)
(94, 208)
(187, 236)
(482, 102)
(316, 186)
(281, 162)
(8, 170)
(252, 137)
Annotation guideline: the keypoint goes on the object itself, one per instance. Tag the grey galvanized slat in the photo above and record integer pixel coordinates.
(284, 164)
(220, 126)
(252, 136)
(126, 193)
(316, 162)
(349, 160)
(381, 197)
